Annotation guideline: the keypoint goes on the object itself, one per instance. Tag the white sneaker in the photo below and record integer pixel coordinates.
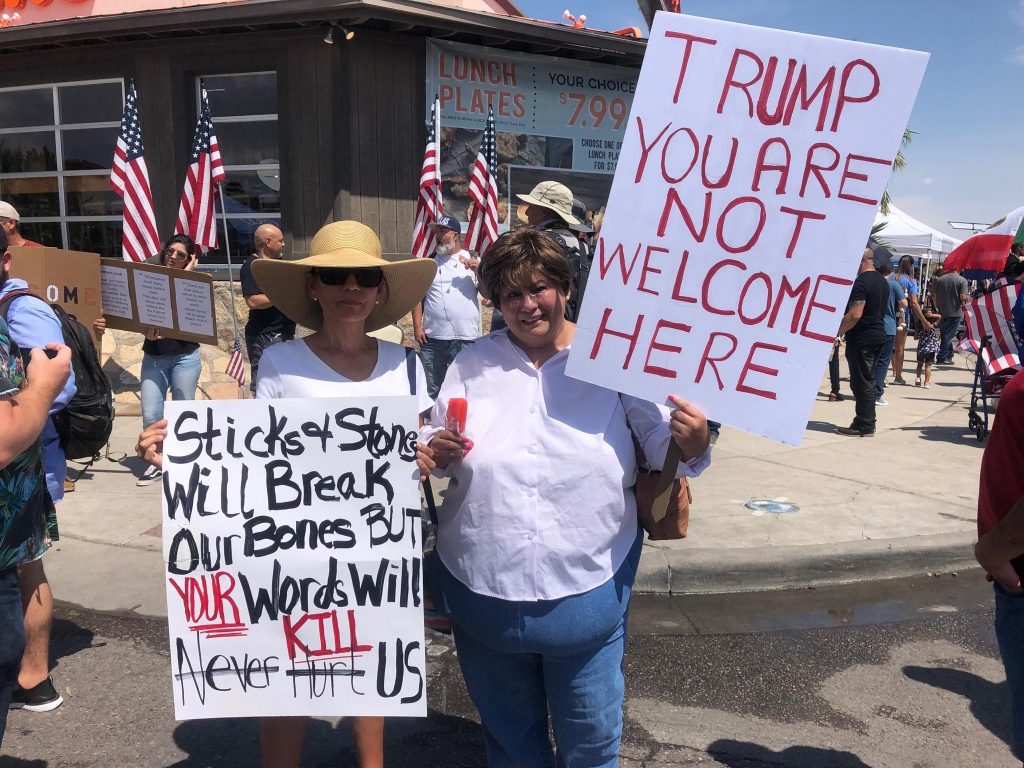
(150, 476)
(881, 401)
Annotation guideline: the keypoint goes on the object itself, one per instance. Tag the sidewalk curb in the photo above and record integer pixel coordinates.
(761, 569)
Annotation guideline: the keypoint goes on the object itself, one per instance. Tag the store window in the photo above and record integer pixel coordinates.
(244, 108)
(56, 149)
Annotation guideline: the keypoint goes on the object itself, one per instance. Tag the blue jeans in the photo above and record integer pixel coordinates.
(436, 355)
(947, 331)
(882, 365)
(179, 373)
(12, 640)
(1010, 635)
(521, 659)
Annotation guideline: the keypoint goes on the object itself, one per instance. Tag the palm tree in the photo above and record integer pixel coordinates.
(897, 165)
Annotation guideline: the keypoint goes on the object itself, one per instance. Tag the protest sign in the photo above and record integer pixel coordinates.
(137, 297)
(291, 534)
(68, 278)
(751, 169)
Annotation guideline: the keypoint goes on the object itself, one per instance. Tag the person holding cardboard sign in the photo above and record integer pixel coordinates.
(168, 364)
(343, 290)
(538, 533)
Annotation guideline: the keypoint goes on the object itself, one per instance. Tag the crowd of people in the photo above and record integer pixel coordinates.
(537, 550)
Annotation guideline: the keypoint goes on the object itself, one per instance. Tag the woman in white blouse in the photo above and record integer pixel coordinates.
(538, 532)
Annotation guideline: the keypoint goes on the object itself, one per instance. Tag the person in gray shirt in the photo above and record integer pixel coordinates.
(950, 296)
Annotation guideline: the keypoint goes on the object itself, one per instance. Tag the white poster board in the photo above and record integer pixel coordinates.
(292, 542)
(751, 169)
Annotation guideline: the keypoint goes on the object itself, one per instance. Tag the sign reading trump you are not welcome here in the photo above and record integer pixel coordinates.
(291, 536)
(752, 166)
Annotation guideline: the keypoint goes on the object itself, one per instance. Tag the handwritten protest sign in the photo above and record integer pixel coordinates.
(292, 542)
(68, 278)
(137, 297)
(752, 166)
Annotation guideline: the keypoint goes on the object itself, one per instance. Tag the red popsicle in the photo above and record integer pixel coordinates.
(456, 415)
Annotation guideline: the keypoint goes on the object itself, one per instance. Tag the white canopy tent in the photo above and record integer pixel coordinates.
(905, 234)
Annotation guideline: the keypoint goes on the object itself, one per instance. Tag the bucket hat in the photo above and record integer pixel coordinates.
(553, 196)
(344, 244)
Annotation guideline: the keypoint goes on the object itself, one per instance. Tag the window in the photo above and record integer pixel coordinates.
(56, 149)
(244, 108)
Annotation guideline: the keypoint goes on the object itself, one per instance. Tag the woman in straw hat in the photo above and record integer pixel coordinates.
(538, 532)
(342, 290)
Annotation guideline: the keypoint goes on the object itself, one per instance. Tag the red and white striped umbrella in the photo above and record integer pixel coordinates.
(987, 250)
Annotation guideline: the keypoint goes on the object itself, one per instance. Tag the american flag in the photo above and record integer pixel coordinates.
(130, 180)
(196, 215)
(236, 369)
(429, 205)
(483, 190)
(992, 315)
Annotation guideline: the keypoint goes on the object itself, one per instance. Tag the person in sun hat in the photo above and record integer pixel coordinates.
(343, 290)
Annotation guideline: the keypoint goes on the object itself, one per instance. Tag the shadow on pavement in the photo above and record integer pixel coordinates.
(959, 435)
(821, 426)
(745, 754)
(68, 638)
(989, 702)
(439, 739)
(17, 762)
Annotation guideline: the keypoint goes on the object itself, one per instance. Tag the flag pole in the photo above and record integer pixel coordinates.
(227, 254)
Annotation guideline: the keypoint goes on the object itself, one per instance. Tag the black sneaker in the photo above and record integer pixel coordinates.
(150, 476)
(40, 698)
(854, 432)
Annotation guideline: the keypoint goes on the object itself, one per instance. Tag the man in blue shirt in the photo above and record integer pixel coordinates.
(33, 324)
(893, 317)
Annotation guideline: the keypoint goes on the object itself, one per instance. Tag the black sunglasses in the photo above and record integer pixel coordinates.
(366, 277)
(170, 252)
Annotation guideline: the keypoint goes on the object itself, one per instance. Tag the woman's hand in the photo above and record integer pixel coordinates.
(150, 447)
(448, 447)
(689, 428)
(100, 325)
(153, 333)
(425, 460)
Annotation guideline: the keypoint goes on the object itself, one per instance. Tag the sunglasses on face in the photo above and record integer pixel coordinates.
(366, 277)
(172, 253)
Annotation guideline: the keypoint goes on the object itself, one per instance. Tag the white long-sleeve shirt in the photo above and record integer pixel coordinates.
(542, 507)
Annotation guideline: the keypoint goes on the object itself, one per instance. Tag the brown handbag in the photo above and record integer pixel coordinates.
(662, 503)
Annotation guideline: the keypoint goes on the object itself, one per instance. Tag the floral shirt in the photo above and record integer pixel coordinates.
(25, 505)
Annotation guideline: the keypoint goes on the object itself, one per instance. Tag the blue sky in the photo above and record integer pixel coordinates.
(966, 162)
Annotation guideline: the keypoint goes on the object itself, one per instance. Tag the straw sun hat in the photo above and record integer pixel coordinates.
(344, 244)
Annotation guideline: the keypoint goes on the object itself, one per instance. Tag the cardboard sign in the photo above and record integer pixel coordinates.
(291, 534)
(68, 278)
(137, 297)
(753, 163)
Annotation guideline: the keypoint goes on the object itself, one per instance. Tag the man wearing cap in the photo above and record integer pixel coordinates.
(266, 325)
(550, 206)
(10, 220)
(864, 327)
(448, 318)
(33, 324)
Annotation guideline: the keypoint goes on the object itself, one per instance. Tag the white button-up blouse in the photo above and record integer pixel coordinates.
(542, 507)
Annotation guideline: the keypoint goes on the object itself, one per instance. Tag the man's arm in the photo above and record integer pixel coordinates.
(32, 324)
(23, 416)
(417, 323)
(258, 301)
(998, 547)
(852, 316)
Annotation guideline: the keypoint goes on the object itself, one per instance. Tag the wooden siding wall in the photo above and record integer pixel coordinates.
(350, 118)
(383, 132)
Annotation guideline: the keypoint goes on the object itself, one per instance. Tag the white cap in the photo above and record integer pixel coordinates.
(8, 211)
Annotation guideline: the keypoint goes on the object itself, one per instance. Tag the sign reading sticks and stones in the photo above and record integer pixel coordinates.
(291, 536)
(753, 162)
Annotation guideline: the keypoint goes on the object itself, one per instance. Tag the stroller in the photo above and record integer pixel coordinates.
(990, 334)
(985, 390)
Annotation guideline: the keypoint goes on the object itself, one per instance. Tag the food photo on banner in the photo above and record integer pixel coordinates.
(291, 535)
(752, 166)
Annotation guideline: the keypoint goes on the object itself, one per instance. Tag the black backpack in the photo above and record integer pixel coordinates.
(84, 425)
(579, 255)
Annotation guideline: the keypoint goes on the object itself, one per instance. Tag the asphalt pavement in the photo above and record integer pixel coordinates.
(897, 504)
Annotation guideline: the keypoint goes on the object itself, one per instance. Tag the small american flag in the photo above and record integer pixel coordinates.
(236, 368)
(196, 212)
(130, 180)
(483, 190)
(429, 205)
(992, 315)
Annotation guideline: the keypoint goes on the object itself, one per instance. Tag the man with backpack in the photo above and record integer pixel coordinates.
(33, 324)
